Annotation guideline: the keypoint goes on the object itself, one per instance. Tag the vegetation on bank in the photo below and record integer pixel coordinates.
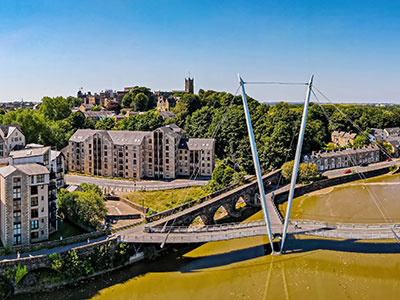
(65, 268)
(86, 207)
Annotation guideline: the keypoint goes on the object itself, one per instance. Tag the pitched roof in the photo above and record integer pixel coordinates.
(9, 129)
(196, 144)
(7, 170)
(122, 137)
(29, 152)
(32, 169)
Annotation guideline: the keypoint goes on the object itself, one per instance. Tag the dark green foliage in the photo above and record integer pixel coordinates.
(122, 254)
(74, 102)
(148, 121)
(105, 124)
(140, 99)
(86, 207)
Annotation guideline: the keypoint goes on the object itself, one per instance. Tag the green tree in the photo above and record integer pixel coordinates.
(141, 103)
(55, 108)
(96, 108)
(360, 140)
(105, 124)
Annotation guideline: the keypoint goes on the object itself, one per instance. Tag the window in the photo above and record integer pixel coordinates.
(35, 224)
(134, 161)
(17, 228)
(17, 239)
(34, 213)
(16, 181)
(40, 178)
(167, 148)
(34, 235)
(17, 217)
(34, 201)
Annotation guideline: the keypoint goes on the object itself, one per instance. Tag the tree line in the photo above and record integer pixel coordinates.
(212, 114)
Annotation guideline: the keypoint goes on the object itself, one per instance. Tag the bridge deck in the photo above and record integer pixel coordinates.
(233, 231)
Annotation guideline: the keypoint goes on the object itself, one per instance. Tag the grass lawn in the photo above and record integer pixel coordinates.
(66, 229)
(165, 199)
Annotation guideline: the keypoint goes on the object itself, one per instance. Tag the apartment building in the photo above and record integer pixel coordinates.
(24, 217)
(53, 161)
(329, 160)
(164, 153)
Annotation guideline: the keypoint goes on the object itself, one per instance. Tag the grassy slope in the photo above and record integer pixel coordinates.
(161, 200)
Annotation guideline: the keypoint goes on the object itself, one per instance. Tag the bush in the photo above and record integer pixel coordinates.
(20, 272)
(305, 174)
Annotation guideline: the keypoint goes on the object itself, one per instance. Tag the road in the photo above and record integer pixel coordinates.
(340, 172)
(128, 186)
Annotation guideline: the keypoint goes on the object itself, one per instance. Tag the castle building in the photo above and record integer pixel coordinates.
(164, 153)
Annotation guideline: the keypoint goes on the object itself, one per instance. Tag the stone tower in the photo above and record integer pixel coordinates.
(189, 85)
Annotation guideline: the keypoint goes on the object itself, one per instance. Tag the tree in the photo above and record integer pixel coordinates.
(148, 121)
(105, 124)
(74, 102)
(306, 172)
(360, 140)
(141, 103)
(86, 207)
(55, 108)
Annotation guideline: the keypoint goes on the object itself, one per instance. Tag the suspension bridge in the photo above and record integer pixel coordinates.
(175, 228)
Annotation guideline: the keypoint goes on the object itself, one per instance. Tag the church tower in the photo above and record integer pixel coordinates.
(189, 85)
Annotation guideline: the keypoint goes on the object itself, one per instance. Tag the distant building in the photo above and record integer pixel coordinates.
(388, 135)
(329, 160)
(99, 115)
(189, 85)
(342, 139)
(162, 153)
(11, 137)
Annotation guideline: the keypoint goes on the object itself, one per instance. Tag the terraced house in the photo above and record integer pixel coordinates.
(328, 160)
(164, 153)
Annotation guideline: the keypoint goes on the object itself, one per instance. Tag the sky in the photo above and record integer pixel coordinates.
(52, 48)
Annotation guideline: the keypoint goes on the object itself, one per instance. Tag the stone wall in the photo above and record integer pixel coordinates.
(43, 261)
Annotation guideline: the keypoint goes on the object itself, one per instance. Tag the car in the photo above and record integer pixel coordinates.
(364, 164)
(388, 159)
(347, 171)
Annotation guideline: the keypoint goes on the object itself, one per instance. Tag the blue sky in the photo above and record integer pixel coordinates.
(55, 47)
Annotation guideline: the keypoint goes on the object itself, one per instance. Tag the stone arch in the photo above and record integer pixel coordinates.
(35, 276)
(240, 203)
(220, 213)
(200, 220)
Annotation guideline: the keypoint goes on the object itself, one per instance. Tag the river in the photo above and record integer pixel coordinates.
(238, 269)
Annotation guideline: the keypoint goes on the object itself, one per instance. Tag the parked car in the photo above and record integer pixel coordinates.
(364, 164)
(347, 171)
(388, 159)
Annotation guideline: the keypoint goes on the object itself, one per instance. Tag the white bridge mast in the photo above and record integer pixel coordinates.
(296, 162)
(256, 164)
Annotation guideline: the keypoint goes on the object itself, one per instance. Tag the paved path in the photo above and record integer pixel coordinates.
(128, 186)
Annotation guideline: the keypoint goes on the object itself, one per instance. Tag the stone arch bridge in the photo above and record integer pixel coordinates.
(206, 210)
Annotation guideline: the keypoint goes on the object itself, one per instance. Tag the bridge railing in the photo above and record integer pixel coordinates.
(207, 228)
(345, 225)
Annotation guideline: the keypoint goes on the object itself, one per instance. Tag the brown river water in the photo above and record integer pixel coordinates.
(238, 269)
